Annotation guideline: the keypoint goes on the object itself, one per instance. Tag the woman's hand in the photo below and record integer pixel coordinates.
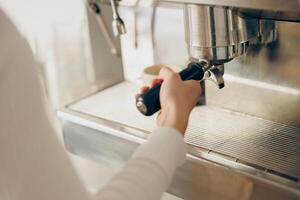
(177, 99)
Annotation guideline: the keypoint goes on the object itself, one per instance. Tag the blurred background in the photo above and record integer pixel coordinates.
(57, 32)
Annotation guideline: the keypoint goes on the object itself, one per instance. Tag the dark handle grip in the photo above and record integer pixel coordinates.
(148, 103)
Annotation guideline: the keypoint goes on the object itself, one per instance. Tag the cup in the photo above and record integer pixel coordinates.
(151, 72)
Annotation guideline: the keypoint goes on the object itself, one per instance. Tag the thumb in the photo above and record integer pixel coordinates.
(165, 73)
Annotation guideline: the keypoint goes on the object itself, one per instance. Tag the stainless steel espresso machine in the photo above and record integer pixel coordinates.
(243, 139)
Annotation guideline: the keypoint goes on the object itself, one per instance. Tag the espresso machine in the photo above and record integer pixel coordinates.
(244, 136)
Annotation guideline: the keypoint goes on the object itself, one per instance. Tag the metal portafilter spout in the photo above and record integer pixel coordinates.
(215, 34)
(149, 103)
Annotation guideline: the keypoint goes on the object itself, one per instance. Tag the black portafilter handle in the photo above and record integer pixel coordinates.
(148, 103)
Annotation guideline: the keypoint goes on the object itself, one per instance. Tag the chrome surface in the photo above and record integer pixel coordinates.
(273, 146)
(218, 72)
(220, 34)
(269, 145)
(118, 25)
(117, 147)
(267, 9)
(252, 126)
(271, 5)
(213, 73)
(107, 68)
(264, 82)
(141, 107)
(94, 7)
(217, 34)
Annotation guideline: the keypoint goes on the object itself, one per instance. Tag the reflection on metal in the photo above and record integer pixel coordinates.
(275, 8)
(262, 143)
(252, 125)
(95, 8)
(118, 25)
(217, 34)
(263, 85)
(141, 107)
(85, 142)
(107, 68)
(263, 82)
(218, 72)
(135, 11)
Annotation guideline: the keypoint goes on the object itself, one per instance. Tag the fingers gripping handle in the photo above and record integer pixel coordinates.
(149, 103)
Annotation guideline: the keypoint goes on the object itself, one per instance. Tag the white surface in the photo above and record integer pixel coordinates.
(117, 104)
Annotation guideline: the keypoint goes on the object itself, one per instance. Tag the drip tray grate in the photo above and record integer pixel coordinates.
(260, 142)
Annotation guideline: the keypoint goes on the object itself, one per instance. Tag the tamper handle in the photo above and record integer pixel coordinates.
(148, 103)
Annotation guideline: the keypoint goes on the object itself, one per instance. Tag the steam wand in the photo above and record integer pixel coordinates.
(118, 25)
(95, 8)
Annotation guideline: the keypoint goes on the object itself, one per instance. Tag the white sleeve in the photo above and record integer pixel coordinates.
(150, 170)
(34, 165)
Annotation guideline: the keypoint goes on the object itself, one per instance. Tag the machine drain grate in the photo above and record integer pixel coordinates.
(269, 145)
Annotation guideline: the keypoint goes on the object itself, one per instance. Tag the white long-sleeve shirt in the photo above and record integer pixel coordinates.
(34, 164)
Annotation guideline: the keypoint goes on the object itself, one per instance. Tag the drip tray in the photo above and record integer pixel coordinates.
(266, 144)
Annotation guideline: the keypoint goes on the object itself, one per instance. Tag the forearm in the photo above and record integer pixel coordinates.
(149, 172)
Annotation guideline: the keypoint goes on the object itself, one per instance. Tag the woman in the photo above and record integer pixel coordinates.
(34, 165)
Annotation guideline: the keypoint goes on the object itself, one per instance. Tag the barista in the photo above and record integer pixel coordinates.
(35, 166)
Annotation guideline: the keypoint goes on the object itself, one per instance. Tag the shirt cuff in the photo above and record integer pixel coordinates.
(166, 147)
